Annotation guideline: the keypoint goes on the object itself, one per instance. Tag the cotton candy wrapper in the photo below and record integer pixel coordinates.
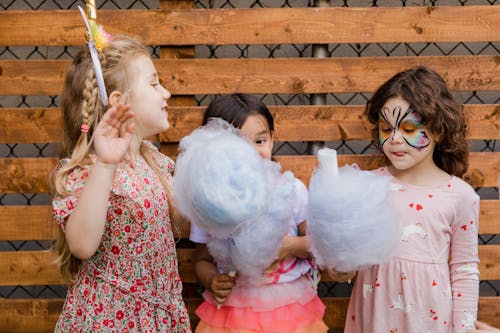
(243, 201)
(350, 223)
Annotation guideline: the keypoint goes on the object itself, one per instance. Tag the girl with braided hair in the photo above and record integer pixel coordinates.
(112, 197)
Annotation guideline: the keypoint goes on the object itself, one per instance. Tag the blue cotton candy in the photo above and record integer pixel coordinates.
(350, 223)
(243, 201)
(220, 179)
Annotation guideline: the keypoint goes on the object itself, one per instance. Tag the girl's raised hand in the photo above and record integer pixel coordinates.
(113, 134)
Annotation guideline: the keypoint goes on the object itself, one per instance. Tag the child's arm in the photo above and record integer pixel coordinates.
(482, 327)
(85, 225)
(220, 285)
(464, 274)
(295, 245)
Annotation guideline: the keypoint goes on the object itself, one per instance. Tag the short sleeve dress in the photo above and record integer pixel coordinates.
(432, 283)
(131, 283)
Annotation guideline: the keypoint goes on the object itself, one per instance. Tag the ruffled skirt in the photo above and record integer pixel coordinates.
(273, 308)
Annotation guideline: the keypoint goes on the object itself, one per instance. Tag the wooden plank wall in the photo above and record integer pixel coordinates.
(176, 27)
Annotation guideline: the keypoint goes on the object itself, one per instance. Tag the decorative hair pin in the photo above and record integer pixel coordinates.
(97, 39)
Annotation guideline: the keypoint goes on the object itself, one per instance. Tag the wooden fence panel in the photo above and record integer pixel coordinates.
(257, 76)
(262, 26)
(176, 27)
(292, 123)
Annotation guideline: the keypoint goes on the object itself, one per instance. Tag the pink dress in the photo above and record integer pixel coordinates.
(285, 301)
(432, 283)
(131, 284)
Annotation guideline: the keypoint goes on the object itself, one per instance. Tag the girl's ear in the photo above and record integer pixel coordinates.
(114, 97)
(438, 138)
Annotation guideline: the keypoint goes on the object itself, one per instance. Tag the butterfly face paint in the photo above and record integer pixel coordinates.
(408, 123)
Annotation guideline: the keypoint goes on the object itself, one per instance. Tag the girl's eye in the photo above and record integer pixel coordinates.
(155, 84)
(409, 128)
(260, 141)
(386, 129)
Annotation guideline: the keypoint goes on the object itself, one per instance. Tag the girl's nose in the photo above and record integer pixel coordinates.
(166, 93)
(397, 136)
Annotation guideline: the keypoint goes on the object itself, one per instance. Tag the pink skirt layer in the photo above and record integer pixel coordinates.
(274, 308)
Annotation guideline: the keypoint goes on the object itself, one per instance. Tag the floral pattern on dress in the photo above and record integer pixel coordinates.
(131, 283)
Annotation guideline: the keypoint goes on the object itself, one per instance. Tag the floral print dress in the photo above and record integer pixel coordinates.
(131, 283)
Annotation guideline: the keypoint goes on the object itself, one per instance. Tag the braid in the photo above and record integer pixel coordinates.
(90, 98)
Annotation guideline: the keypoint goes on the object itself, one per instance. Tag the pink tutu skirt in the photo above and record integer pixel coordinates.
(272, 308)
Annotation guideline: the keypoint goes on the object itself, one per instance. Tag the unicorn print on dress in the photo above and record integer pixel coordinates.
(395, 186)
(367, 288)
(413, 229)
(399, 304)
(468, 321)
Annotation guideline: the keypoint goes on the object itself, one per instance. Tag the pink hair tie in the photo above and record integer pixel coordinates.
(84, 128)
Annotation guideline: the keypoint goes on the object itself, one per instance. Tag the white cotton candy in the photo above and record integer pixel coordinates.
(243, 201)
(254, 246)
(349, 221)
(220, 179)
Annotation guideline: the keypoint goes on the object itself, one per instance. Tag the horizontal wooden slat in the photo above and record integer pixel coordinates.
(261, 25)
(26, 175)
(281, 76)
(37, 267)
(30, 125)
(40, 315)
(27, 223)
(29, 315)
(292, 123)
(36, 223)
(328, 122)
(483, 167)
(31, 175)
(29, 268)
(489, 217)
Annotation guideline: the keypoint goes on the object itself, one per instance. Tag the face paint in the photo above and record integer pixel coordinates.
(407, 123)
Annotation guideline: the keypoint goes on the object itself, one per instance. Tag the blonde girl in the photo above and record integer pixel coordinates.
(112, 193)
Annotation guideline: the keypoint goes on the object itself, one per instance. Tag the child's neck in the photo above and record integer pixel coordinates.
(429, 175)
(135, 146)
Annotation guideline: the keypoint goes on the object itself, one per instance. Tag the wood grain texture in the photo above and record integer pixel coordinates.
(31, 175)
(27, 268)
(267, 76)
(36, 222)
(182, 26)
(292, 123)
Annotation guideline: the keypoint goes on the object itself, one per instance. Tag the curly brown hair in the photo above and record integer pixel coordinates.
(427, 93)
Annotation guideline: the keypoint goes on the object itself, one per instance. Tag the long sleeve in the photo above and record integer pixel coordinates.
(464, 258)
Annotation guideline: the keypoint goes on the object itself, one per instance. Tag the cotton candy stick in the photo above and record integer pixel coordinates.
(327, 159)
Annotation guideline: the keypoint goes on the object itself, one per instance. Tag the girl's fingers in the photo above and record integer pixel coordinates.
(225, 285)
(129, 129)
(119, 116)
(116, 116)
